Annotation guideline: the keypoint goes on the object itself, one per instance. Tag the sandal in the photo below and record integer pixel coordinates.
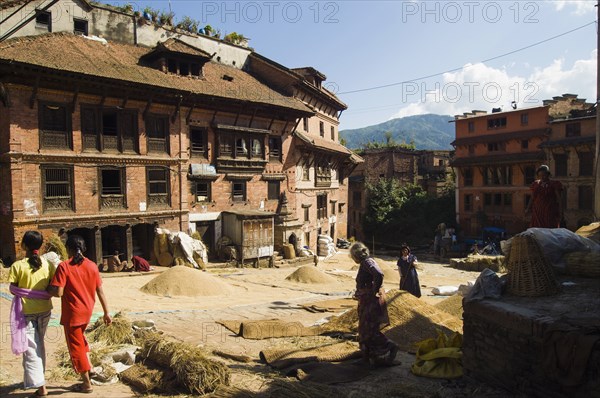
(36, 395)
(79, 388)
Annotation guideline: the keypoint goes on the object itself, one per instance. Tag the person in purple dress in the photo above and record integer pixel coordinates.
(372, 309)
(409, 279)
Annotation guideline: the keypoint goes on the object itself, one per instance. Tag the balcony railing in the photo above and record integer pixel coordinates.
(112, 202)
(63, 203)
(54, 139)
(157, 145)
(158, 200)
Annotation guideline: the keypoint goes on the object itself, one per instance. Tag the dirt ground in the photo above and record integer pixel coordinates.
(257, 294)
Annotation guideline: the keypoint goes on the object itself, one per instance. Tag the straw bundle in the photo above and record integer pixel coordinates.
(120, 331)
(232, 392)
(145, 379)
(56, 245)
(98, 351)
(193, 370)
(529, 272)
(479, 262)
(584, 264)
(290, 388)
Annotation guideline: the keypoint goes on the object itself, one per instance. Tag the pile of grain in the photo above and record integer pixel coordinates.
(390, 273)
(185, 281)
(452, 305)
(309, 274)
(411, 320)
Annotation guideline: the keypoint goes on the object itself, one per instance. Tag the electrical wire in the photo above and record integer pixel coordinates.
(467, 66)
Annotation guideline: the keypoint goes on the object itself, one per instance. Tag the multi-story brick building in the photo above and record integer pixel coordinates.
(496, 158)
(111, 139)
(430, 169)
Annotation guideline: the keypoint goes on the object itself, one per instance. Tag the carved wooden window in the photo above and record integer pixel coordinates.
(199, 142)
(323, 174)
(241, 146)
(238, 191)
(273, 188)
(561, 164)
(109, 130)
(305, 171)
(322, 206)
(157, 131)
(54, 126)
(275, 148)
(159, 187)
(468, 177)
(112, 188)
(57, 188)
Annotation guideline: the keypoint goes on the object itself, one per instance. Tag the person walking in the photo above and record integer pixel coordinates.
(409, 278)
(76, 282)
(372, 309)
(30, 311)
(546, 201)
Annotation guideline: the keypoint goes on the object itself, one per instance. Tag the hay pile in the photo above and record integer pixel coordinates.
(479, 262)
(411, 320)
(146, 379)
(185, 281)
(56, 245)
(310, 274)
(4, 273)
(452, 305)
(193, 370)
(119, 332)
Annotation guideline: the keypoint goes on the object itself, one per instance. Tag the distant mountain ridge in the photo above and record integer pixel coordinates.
(428, 131)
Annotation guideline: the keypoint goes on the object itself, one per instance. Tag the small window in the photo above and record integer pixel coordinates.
(586, 163)
(184, 69)
(202, 191)
(586, 195)
(471, 149)
(322, 129)
(43, 20)
(332, 208)
(471, 126)
(307, 239)
(468, 202)
(238, 191)
(112, 192)
(80, 26)
(497, 199)
(321, 206)
(507, 199)
(487, 199)
(357, 199)
(560, 164)
(496, 123)
(241, 148)
(524, 119)
(225, 145)
(305, 124)
(196, 70)
(573, 129)
(529, 175)
(493, 147)
(307, 214)
(199, 142)
(468, 177)
(172, 65)
(275, 148)
(524, 144)
(57, 188)
(158, 191)
(273, 188)
(305, 171)
(157, 133)
(332, 133)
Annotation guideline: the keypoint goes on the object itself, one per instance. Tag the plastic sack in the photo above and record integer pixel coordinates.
(444, 290)
(556, 242)
(488, 284)
(439, 358)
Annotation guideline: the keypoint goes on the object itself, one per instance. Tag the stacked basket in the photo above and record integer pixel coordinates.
(529, 272)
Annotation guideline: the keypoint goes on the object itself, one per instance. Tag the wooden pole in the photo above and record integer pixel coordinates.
(597, 157)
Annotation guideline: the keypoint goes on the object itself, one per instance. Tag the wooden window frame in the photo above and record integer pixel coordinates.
(45, 134)
(275, 153)
(112, 200)
(208, 191)
(322, 206)
(244, 190)
(276, 187)
(198, 149)
(70, 183)
(123, 143)
(153, 143)
(152, 198)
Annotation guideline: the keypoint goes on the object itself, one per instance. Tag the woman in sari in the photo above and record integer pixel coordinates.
(409, 279)
(76, 282)
(30, 311)
(372, 310)
(546, 201)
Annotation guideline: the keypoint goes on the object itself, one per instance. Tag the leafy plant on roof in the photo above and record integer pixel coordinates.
(217, 34)
(153, 14)
(188, 24)
(207, 30)
(235, 38)
(127, 8)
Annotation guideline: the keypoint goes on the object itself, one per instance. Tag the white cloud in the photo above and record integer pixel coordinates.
(577, 7)
(479, 86)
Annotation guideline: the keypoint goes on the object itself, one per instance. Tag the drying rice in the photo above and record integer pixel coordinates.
(452, 305)
(185, 281)
(310, 274)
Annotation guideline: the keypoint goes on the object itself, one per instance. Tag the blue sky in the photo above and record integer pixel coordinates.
(364, 44)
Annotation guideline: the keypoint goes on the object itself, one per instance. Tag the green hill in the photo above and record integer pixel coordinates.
(426, 131)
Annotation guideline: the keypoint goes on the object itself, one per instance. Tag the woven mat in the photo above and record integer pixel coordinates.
(149, 379)
(268, 329)
(330, 373)
(337, 352)
(329, 305)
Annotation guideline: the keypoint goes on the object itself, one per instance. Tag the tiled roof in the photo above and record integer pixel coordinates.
(11, 3)
(323, 144)
(517, 135)
(513, 158)
(120, 62)
(178, 46)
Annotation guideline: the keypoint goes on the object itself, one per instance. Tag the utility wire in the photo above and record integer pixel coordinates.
(467, 66)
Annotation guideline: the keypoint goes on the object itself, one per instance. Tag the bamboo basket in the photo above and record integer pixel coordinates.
(529, 272)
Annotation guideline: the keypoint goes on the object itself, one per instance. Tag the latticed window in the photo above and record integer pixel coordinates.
(54, 126)
(322, 206)
(112, 192)
(158, 186)
(57, 188)
(323, 174)
(275, 148)
(109, 129)
(238, 191)
(199, 142)
(202, 191)
(157, 131)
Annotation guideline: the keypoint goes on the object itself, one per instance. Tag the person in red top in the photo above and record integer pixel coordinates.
(76, 282)
(140, 264)
(546, 201)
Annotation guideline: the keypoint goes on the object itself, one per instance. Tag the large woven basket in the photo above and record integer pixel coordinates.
(584, 264)
(529, 272)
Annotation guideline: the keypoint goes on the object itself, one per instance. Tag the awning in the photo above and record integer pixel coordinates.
(513, 158)
(321, 144)
(571, 141)
(241, 129)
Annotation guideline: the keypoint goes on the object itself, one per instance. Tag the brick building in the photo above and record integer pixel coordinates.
(134, 137)
(496, 157)
(430, 169)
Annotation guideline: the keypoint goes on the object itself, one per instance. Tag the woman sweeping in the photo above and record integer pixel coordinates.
(76, 282)
(372, 310)
(30, 311)
(409, 279)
